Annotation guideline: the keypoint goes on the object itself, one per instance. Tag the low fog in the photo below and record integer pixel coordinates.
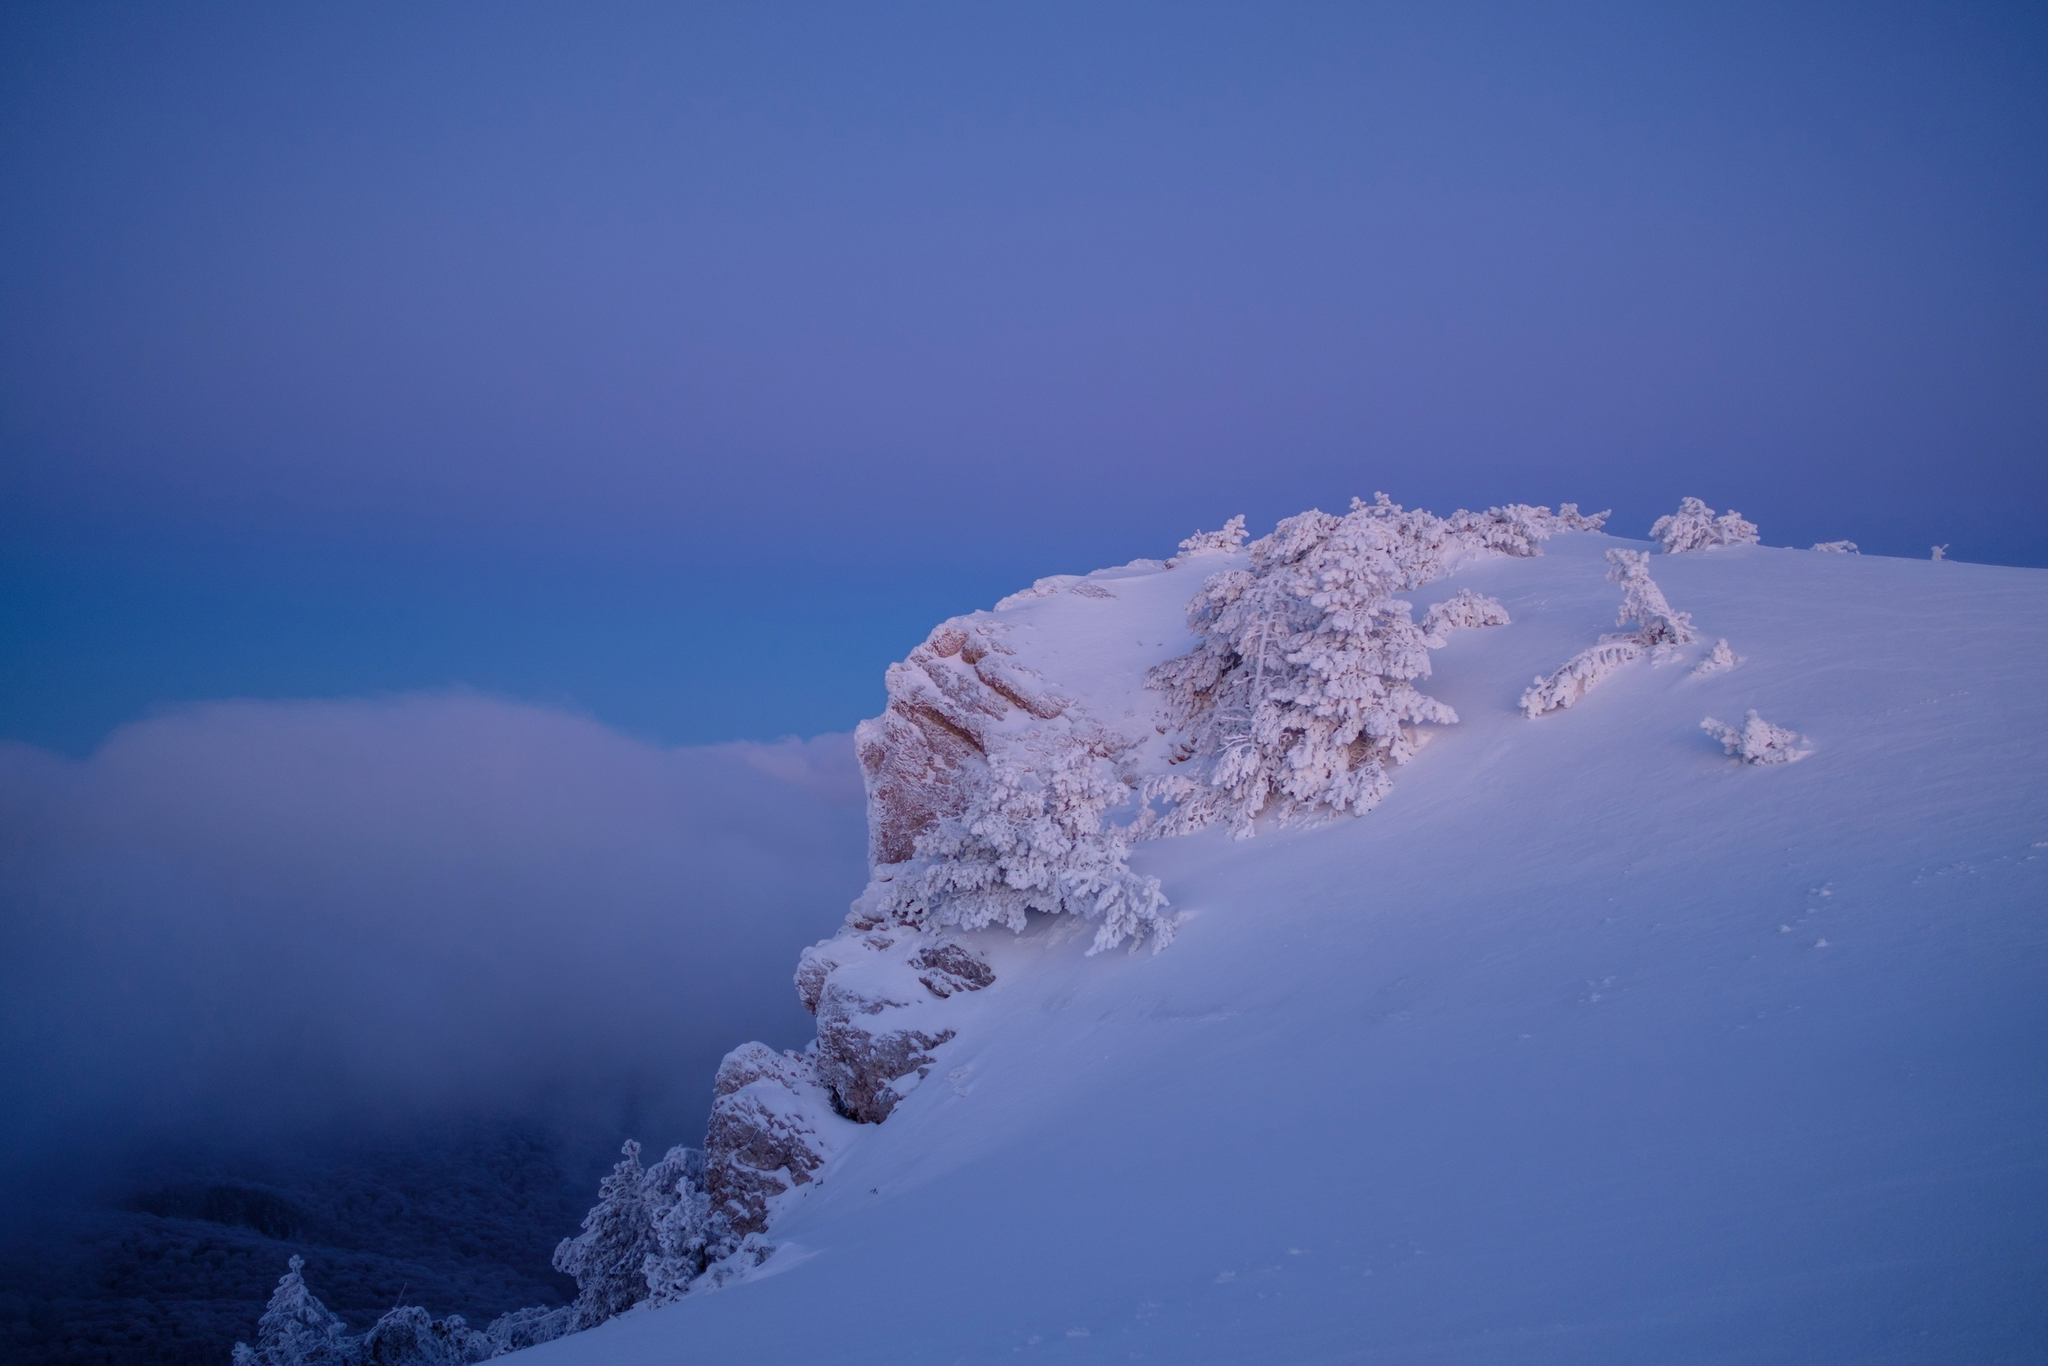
(258, 924)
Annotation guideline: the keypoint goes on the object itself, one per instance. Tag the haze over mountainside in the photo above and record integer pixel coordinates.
(1518, 988)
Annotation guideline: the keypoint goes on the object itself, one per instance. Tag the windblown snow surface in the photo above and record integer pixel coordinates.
(1589, 1044)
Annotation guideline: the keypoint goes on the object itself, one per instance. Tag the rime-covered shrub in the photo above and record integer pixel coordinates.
(1719, 660)
(1658, 627)
(1836, 547)
(1643, 602)
(1757, 741)
(1579, 675)
(1518, 529)
(1467, 609)
(1695, 526)
(1215, 542)
(1035, 835)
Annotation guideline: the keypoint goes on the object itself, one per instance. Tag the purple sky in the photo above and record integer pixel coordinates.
(577, 352)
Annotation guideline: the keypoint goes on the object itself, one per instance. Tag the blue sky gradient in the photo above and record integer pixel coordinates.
(683, 364)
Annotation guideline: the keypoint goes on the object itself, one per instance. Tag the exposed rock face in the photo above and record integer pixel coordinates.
(946, 967)
(767, 1134)
(872, 990)
(862, 1061)
(943, 700)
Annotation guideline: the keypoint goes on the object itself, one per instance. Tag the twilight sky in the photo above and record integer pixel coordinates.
(683, 364)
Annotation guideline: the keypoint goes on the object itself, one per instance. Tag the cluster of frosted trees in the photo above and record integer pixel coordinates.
(1301, 697)
(651, 1233)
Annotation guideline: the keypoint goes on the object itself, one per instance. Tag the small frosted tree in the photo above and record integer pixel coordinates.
(1468, 609)
(1757, 741)
(1035, 835)
(297, 1329)
(607, 1257)
(1215, 542)
(1643, 603)
(1659, 627)
(1836, 547)
(1695, 526)
(1719, 660)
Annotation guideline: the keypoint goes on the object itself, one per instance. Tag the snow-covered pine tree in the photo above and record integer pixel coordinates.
(297, 1329)
(1467, 609)
(1659, 628)
(1301, 694)
(1214, 542)
(1035, 835)
(607, 1257)
(1695, 526)
(689, 1234)
(412, 1337)
(1643, 602)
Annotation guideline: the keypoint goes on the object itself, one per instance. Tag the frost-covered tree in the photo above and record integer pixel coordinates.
(1643, 602)
(1300, 696)
(1035, 835)
(1719, 660)
(1659, 627)
(1215, 542)
(297, 1329)
(1941, 551)
(412, 1337)
(1579, 675)
(1518, 529)
(1836, 547)
(1757, 741)
(607, 1257)
(689, 1233)
(1695, 526)
(1467, 609)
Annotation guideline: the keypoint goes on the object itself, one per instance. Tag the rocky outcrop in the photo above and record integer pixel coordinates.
(944, 702)
(768, 1132)
(873, 989)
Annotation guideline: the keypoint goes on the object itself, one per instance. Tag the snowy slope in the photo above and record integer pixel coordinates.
(1589, 1044)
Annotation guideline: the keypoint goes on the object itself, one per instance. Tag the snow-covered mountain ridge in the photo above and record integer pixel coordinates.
(1591, 1042)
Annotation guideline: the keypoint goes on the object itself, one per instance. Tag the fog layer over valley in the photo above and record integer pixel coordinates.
(386, 981)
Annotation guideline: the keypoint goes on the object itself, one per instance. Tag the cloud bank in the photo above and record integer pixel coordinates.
(247, 920)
